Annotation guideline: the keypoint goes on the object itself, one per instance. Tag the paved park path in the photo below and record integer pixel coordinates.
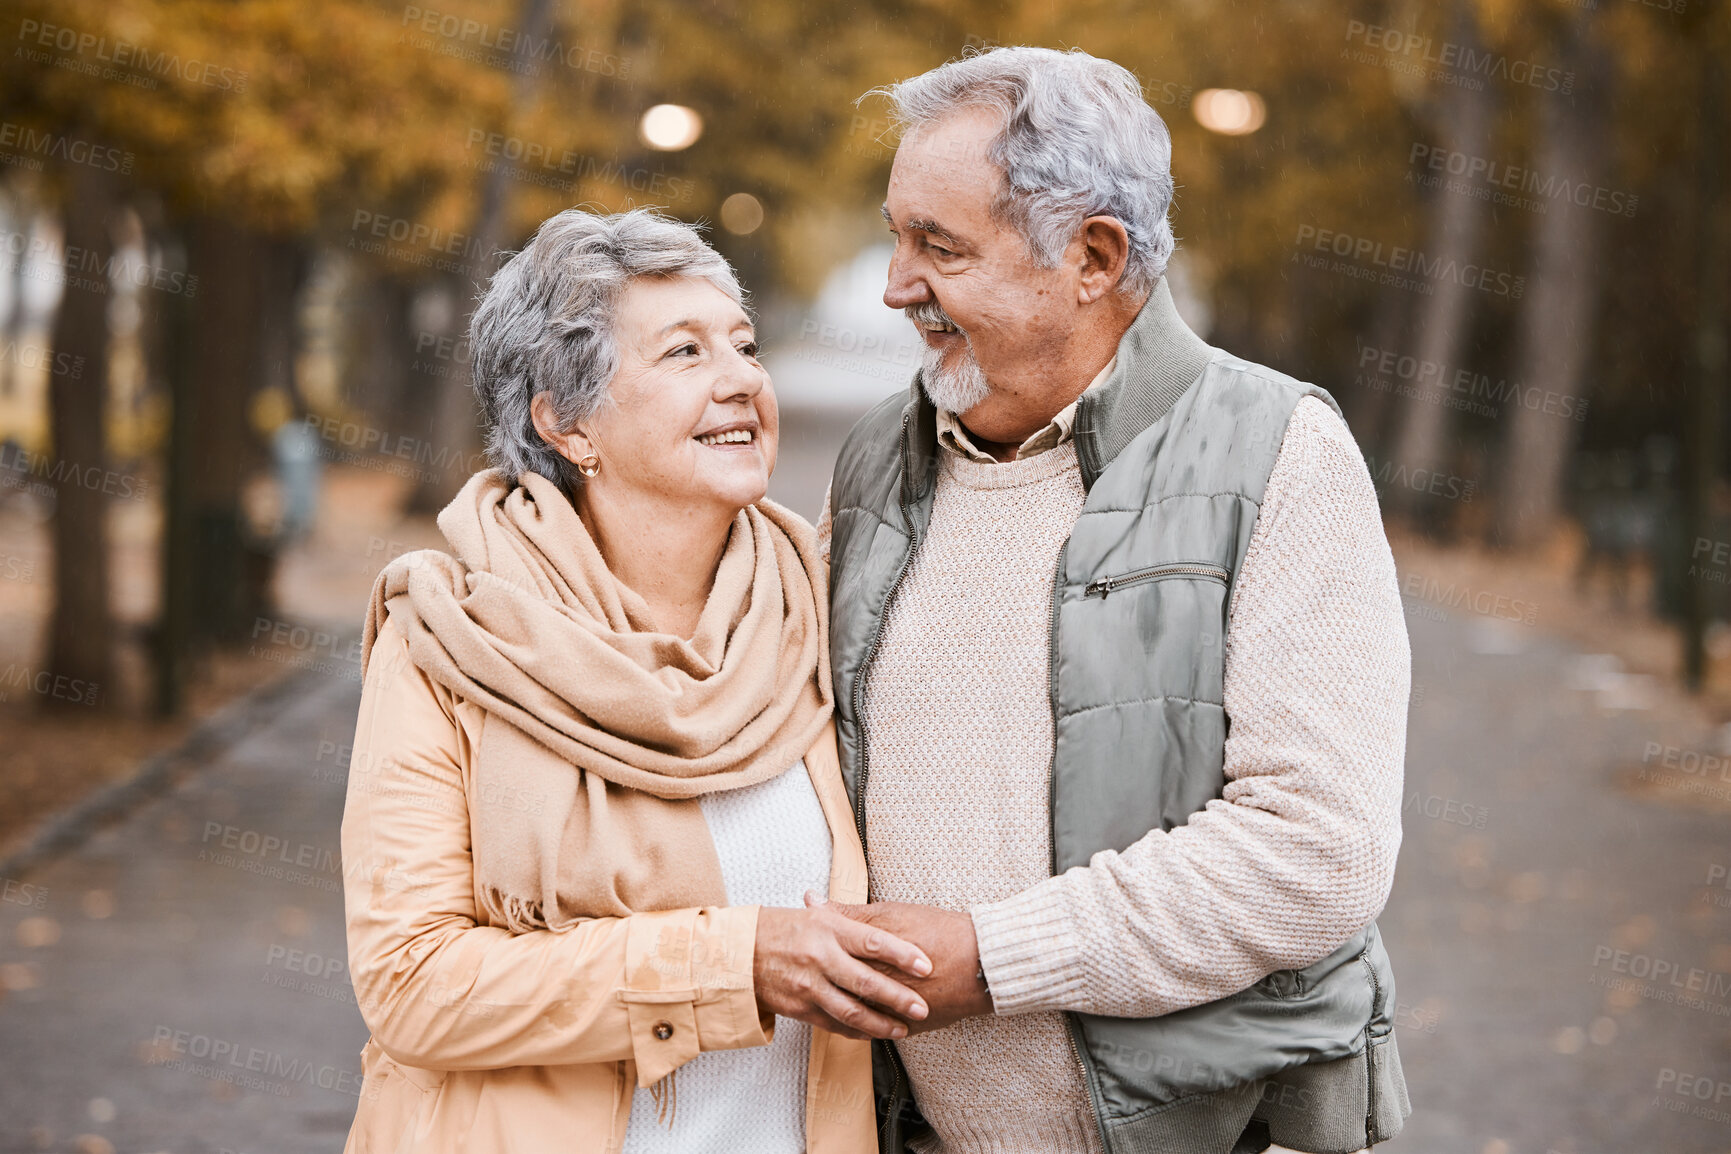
(1561, 931)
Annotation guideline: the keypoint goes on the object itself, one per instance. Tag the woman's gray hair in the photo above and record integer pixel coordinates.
(545, 324)
(1078, 140)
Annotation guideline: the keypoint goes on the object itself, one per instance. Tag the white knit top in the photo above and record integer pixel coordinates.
(774, 845)
(1297, 855)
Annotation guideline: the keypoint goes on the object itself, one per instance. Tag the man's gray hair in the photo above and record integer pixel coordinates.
(1078, 140)
(545, 324)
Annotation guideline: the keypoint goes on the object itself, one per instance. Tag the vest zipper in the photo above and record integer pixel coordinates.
(1369, 1047)
(895, 1101)
(857, 697)
(1106, 585)
(1072, 1026)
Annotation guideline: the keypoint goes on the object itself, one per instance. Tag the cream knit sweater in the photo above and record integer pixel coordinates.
(1297, 855)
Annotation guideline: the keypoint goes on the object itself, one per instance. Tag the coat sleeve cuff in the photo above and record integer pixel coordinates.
(1030, 951)
(688, 987)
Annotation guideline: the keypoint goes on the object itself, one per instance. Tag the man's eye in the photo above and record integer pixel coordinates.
(939, 249)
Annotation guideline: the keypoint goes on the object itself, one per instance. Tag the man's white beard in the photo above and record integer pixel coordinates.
(956, 389)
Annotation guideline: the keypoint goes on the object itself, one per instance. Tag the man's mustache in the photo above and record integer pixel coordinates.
(928, 313)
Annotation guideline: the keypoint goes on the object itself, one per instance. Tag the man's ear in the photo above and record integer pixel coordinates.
(1105, 251)
(573, 446)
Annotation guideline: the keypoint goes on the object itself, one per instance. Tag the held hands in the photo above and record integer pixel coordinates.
(950, 987)
(812, 965)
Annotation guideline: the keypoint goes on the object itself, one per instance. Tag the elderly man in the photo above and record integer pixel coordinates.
(1121, 672)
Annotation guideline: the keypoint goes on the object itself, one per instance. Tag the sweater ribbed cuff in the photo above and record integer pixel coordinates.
(1030, 950)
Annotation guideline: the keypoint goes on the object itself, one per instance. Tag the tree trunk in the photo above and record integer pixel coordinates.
(81, 634)
(455, 432)
(224, 363)
(174, 630)
(1702, 440)
(1556, 333)
(1444, 320)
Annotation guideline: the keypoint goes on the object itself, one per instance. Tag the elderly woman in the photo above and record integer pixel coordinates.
(594, 772)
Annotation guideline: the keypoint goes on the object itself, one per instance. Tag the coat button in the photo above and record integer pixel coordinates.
(663, 1030)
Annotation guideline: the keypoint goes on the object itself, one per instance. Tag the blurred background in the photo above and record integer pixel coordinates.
(239, 243)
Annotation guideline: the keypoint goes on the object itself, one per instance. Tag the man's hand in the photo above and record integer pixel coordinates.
(953, 990)
(822, 968)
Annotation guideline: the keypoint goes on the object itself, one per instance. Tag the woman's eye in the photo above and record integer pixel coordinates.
(689, 347)
(749, 348)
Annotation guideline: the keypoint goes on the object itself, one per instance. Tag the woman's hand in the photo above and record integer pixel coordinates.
(810, 965)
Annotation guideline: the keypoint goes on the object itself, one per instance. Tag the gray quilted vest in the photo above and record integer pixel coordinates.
(1175, 448)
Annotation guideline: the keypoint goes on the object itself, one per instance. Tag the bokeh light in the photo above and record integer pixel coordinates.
(741, 214)
(1229, 111)
(670, 127)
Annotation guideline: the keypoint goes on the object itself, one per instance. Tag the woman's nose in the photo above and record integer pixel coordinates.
(740, 377)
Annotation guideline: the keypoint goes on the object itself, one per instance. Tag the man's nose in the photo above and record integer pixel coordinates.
(904, 287)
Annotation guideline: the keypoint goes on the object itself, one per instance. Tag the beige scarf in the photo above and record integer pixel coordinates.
(601, 732)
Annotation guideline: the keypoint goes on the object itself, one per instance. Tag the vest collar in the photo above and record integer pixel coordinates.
(1159, 358)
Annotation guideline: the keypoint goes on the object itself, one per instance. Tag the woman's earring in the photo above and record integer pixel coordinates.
(589, 466)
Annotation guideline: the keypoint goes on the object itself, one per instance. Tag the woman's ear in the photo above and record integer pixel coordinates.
(573, 446)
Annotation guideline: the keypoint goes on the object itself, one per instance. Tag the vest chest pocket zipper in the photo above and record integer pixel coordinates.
(1106, 585)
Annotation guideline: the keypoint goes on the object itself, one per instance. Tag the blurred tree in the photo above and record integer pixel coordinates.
(388, 131)
(1558, 315)
(453, 401)
(1461, 124)
(81, 634)
(252, 121)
